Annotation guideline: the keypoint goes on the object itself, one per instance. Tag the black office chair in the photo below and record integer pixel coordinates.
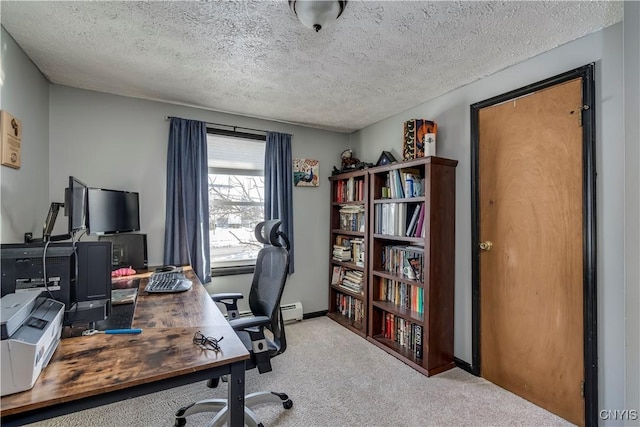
(269, 278)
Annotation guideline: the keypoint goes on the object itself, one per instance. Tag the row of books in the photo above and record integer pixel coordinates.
(404, 261)
(352, 218)
(349, 249)
(403, 332)
(402, 294)
(349, 190)
(403, 183)
(350, 307)
(399, 219)
(352, 280)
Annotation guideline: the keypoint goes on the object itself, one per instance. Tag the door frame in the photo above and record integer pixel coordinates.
(586, 72)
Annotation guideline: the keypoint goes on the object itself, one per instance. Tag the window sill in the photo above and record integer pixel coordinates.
(232, 271)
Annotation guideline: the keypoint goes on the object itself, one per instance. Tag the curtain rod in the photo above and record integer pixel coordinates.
(220, 124)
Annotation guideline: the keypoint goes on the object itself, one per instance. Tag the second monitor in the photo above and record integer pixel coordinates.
(129, 250)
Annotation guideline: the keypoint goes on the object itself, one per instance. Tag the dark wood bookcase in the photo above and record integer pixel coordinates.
(411, 261)
(349, 216)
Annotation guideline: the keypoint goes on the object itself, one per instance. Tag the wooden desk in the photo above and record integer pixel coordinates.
(95, 370)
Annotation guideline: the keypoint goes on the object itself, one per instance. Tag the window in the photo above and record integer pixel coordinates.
(236, 199)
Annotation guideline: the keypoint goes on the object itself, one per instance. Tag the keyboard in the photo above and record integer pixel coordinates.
(167, 282)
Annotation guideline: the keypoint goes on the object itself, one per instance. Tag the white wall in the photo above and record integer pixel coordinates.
(117, 142)
(452, 114)
(24, 193)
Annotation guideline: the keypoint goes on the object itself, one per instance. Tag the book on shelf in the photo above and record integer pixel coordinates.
(343, 241)
(411, 181)
(357, 251)
(419, 232)
(336, 277)
(414, 219)
(341, 253)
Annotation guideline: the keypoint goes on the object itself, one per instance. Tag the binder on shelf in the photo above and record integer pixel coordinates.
(414, 218)
(420, 225)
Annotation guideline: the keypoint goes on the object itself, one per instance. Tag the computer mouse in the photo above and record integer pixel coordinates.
(165, 268)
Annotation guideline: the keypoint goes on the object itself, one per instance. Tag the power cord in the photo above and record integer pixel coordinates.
(44, 268)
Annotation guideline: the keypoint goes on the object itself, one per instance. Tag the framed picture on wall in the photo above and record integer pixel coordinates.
(306, 173)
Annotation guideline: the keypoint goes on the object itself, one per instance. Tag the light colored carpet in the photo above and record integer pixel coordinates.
(336, 378)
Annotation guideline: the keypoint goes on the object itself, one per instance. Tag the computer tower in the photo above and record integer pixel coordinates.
(129, 250)
(94, 271)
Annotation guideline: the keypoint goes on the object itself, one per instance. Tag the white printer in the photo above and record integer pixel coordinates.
(31, 329)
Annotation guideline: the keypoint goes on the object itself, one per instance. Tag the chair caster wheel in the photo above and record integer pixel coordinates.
(288, 404)
(180, 422)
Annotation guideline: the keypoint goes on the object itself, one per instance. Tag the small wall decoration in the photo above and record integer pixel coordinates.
(305, 173)
(10, 139)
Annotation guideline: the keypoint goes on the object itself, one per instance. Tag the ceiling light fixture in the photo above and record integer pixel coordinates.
(316, 14)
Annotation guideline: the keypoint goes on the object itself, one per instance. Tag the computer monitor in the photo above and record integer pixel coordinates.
(112, 211)
(76, 205)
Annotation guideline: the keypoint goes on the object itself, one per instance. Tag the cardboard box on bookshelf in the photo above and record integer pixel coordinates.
(419, 138)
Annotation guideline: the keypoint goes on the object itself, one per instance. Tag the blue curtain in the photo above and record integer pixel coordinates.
(278, 184)
(186, 236)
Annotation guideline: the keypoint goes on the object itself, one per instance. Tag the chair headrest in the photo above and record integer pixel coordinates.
(267, 232)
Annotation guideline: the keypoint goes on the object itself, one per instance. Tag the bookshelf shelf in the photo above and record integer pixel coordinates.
(392, 308)
(346, 291)
(348, 323)
(398, 238)
(416, 199)
(348, 265)
(348, 232)
(389, 276)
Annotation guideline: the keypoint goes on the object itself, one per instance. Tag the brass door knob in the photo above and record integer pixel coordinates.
(486, 245)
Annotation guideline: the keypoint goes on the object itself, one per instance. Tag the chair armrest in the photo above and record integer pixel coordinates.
(248, 322)
(230, 301)
(231, 295)
(255, 326)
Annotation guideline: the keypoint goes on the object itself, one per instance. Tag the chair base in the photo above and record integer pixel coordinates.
(219, 406)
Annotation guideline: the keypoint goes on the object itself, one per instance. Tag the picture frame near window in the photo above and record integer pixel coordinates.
(306, 173)
(385, 158)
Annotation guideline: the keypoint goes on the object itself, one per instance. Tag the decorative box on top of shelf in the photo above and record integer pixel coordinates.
(411, 261)
(348, 266)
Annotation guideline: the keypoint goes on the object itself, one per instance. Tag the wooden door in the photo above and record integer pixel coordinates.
(530, 202)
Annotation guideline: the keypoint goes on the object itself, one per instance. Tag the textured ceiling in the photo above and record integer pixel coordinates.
(255, 58)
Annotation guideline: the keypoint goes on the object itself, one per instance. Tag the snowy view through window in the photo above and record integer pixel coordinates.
(236, 197)
(236, 206)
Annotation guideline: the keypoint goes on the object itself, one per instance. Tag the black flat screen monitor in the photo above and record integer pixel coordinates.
(112, 211)
(76, 205)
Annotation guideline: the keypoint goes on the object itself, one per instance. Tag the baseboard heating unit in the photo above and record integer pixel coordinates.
(290, 312)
